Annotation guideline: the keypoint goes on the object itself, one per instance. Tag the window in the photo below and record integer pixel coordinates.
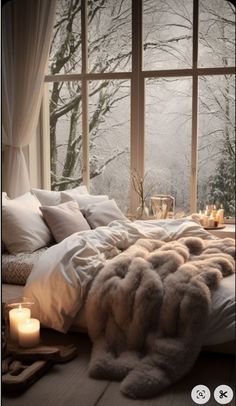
(146, 86)
(168, 168)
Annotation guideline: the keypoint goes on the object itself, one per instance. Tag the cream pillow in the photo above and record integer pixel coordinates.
(53, 198)
(64, 219)
(83, 200)
(4, 197)
(47, 197)
(23, 227)
(101, 214)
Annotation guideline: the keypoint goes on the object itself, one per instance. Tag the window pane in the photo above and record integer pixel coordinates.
(216, 149)
(109, 122)
(65, 134)
(168, 138)
(216, 33)
(65, 52)
(167, 34)
(109, 35)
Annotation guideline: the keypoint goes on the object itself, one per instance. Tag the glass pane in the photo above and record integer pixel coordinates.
(168, 139)
(216, 144)
(65, 51)
(167, 34)
(109, 35)
(109, 124)
(65, 134)
(216, 33)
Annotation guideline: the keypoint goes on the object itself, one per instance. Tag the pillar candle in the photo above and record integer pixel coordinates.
(221, 216)
(16, 316)
(211, 222)
(205, 220)
(28, 331)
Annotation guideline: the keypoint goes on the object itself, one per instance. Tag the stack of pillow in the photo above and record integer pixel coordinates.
(40, 217)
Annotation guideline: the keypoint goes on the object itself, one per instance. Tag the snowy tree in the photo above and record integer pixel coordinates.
(217, 107)
(222, 186)
(167, 44)
(66, 98)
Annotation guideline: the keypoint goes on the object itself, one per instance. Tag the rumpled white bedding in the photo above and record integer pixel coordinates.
(59, 282)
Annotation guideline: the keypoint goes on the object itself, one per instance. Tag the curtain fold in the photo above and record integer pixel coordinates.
(26, 33)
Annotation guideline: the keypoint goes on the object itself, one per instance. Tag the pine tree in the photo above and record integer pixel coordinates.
(222, 186)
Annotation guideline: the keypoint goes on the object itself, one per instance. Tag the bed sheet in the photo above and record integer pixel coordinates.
(221, 326)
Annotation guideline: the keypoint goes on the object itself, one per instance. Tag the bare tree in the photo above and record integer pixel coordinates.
(167, 40)
(65, 100)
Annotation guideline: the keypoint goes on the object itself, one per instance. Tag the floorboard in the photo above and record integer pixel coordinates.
(65, 384)
(69, 384)
(211, 369)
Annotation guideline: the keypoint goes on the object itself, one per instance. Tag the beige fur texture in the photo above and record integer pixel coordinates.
(147, 311)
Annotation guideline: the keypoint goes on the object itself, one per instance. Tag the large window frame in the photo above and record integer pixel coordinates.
(137, 77)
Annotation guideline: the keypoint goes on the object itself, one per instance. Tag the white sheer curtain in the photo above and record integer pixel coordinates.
(26, 33)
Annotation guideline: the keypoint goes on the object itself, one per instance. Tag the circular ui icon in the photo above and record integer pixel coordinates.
(200, 394)
(223, 394)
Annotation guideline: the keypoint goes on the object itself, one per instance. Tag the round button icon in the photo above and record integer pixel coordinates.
(200, 394)
(223, 394)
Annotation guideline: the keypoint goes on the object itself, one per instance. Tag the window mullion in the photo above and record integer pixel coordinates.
(194, 146)
(45, 140)
(137, 91)
(85, 115)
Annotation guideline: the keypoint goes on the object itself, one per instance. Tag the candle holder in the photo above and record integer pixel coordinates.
(15, 311)
(163, 206)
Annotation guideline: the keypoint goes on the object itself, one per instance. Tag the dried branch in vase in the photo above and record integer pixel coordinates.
(138, 185)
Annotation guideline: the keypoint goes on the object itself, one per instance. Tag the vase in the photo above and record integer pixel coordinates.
(142, 212)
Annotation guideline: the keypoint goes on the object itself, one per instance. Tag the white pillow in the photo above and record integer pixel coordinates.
(64, 219)
(4, 197)
(23, 227)
(47, 197)
(53, 198)
(101, 214)
(83, 200)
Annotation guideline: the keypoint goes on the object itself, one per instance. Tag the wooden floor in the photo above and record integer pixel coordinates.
(69, 384)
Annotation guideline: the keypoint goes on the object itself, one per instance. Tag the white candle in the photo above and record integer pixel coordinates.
(16, 316)
(28, 331)
(221, 216)
(201, 218)
(205, 220)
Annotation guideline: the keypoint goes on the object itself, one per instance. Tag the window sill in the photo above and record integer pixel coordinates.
(228, 231)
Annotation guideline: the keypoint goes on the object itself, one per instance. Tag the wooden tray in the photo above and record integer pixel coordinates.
(23, 367)
(214, 228)
(22, 375)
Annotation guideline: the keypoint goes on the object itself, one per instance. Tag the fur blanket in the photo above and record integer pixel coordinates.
(147, 311)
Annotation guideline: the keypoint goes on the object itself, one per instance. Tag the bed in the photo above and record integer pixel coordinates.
(63, 281)
(221, 329)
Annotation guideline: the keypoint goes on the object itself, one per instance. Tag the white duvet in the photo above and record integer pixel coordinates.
(59, 282)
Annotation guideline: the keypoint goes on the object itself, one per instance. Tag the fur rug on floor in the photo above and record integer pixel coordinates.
(147, 311)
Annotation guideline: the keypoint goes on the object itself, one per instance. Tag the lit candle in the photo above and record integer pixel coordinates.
(211, 222)
(221, 215)
(201, 219)
(28, 331)
(205, 220)
(16, 316)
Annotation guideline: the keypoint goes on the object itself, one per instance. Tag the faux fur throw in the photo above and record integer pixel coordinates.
(147, 311)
